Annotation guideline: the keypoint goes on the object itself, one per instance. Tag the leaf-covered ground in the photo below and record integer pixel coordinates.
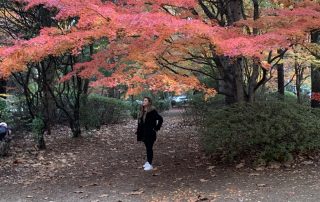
(106, 165)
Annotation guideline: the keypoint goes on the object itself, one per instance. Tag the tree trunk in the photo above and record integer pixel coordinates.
(315, 76)
(298, 85)
(75, 128)
(280, 71)
(252, 83)
(3, 85)
(234, 11)
(232, 82)
(230, 69)
(298, 89)
(48, 100)
(41, 143)
(315, 86)
(299, 77)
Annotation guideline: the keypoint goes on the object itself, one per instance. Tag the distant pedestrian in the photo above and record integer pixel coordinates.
(149, 122)
(4, 131)
(4, 139)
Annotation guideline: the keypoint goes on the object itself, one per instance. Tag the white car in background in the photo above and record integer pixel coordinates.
(181, 99)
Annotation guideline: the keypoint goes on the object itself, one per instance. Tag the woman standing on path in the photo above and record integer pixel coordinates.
(149, 122)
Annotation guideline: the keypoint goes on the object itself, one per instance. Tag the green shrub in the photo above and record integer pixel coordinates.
(288, 97)
(198, 106)
(38, 128)
(263, 131)
(162, 105)
(17, 113)
(5, 115)
(100, 110)
(198, 102)
(134, 109)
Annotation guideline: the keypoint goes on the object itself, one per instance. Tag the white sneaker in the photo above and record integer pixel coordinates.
(145, 164)
(148, 167)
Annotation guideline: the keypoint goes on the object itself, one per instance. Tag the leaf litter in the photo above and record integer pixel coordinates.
(104, 163)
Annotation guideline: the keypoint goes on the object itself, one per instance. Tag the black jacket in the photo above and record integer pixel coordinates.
(146, 130)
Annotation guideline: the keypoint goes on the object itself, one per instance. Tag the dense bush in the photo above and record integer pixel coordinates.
(162, 105)
(198, 106)
(288, 97)
(38, 128)
(4, 112)
(263, 131)
(134, 109)
(100, 110)
(17, 113)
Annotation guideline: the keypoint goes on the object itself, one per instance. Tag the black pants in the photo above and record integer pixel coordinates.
(149, 146)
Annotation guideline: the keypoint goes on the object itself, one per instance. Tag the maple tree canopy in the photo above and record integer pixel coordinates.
(139, 31)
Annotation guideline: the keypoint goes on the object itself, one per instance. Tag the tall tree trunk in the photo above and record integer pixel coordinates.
(3, 85)
(230, 69)
(280, 71)
(298, 82)
(41, 143)
(315, 86)
(234, 11)
(232, 83)
(78, 85)
(315, 76)
(48, 100)
(252, 83)
(75, 126)
(299, 77)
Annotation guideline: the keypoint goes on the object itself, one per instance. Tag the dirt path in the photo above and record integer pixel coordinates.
(106, 165)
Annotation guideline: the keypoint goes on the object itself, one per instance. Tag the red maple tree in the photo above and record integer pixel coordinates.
(140, 31)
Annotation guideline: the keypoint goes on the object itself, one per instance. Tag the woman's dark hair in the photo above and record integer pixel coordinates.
(142, 107)
(149, 99)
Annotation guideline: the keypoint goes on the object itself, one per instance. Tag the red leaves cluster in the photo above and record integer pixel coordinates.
(138, 30)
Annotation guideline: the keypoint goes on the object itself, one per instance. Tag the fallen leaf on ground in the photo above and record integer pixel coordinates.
(135, 193)
(259, 168)
(211, 167)
(201, 198)
(254, 174)
(103, 195)
(275, 165)
(240, 165)
(307, 162)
